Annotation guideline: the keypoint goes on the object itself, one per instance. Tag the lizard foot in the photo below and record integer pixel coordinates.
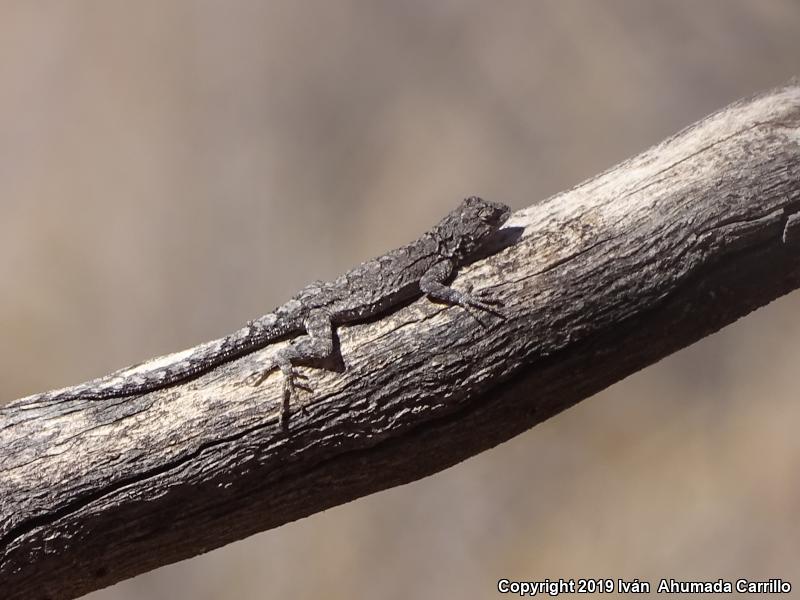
(290, 385)
(486, 302)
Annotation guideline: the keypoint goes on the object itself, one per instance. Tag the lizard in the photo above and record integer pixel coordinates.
(421, 268)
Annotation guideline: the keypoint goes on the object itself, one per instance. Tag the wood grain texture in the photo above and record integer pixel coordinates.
(598, 281)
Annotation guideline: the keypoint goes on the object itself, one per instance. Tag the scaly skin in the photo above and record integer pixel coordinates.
(422, 267)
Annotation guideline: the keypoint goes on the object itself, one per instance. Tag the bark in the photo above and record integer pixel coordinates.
(598, 282)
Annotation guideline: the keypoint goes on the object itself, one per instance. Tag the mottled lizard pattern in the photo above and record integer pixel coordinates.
(422, 267)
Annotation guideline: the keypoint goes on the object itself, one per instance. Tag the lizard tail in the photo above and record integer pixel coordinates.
(175, 368)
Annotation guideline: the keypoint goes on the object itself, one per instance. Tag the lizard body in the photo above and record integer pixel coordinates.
(422, 267)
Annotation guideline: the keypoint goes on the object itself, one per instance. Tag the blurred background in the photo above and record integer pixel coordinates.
(169, 170)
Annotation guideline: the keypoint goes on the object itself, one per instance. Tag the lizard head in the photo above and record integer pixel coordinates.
(464, 231)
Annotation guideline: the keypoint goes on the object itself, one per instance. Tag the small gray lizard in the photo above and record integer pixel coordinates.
(422, 267)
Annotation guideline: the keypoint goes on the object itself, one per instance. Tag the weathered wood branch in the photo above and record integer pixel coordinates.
(599, 282)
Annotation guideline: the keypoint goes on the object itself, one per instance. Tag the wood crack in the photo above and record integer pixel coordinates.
(630, 268)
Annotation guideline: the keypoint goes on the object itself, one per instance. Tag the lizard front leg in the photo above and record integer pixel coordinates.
(433, 285)
(316, 345)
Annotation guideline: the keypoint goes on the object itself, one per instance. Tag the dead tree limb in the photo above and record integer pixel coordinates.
(598, 282)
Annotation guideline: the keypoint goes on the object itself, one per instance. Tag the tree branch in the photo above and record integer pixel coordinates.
(598, 282)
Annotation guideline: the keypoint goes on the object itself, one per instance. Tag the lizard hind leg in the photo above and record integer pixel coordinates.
(316, 345)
